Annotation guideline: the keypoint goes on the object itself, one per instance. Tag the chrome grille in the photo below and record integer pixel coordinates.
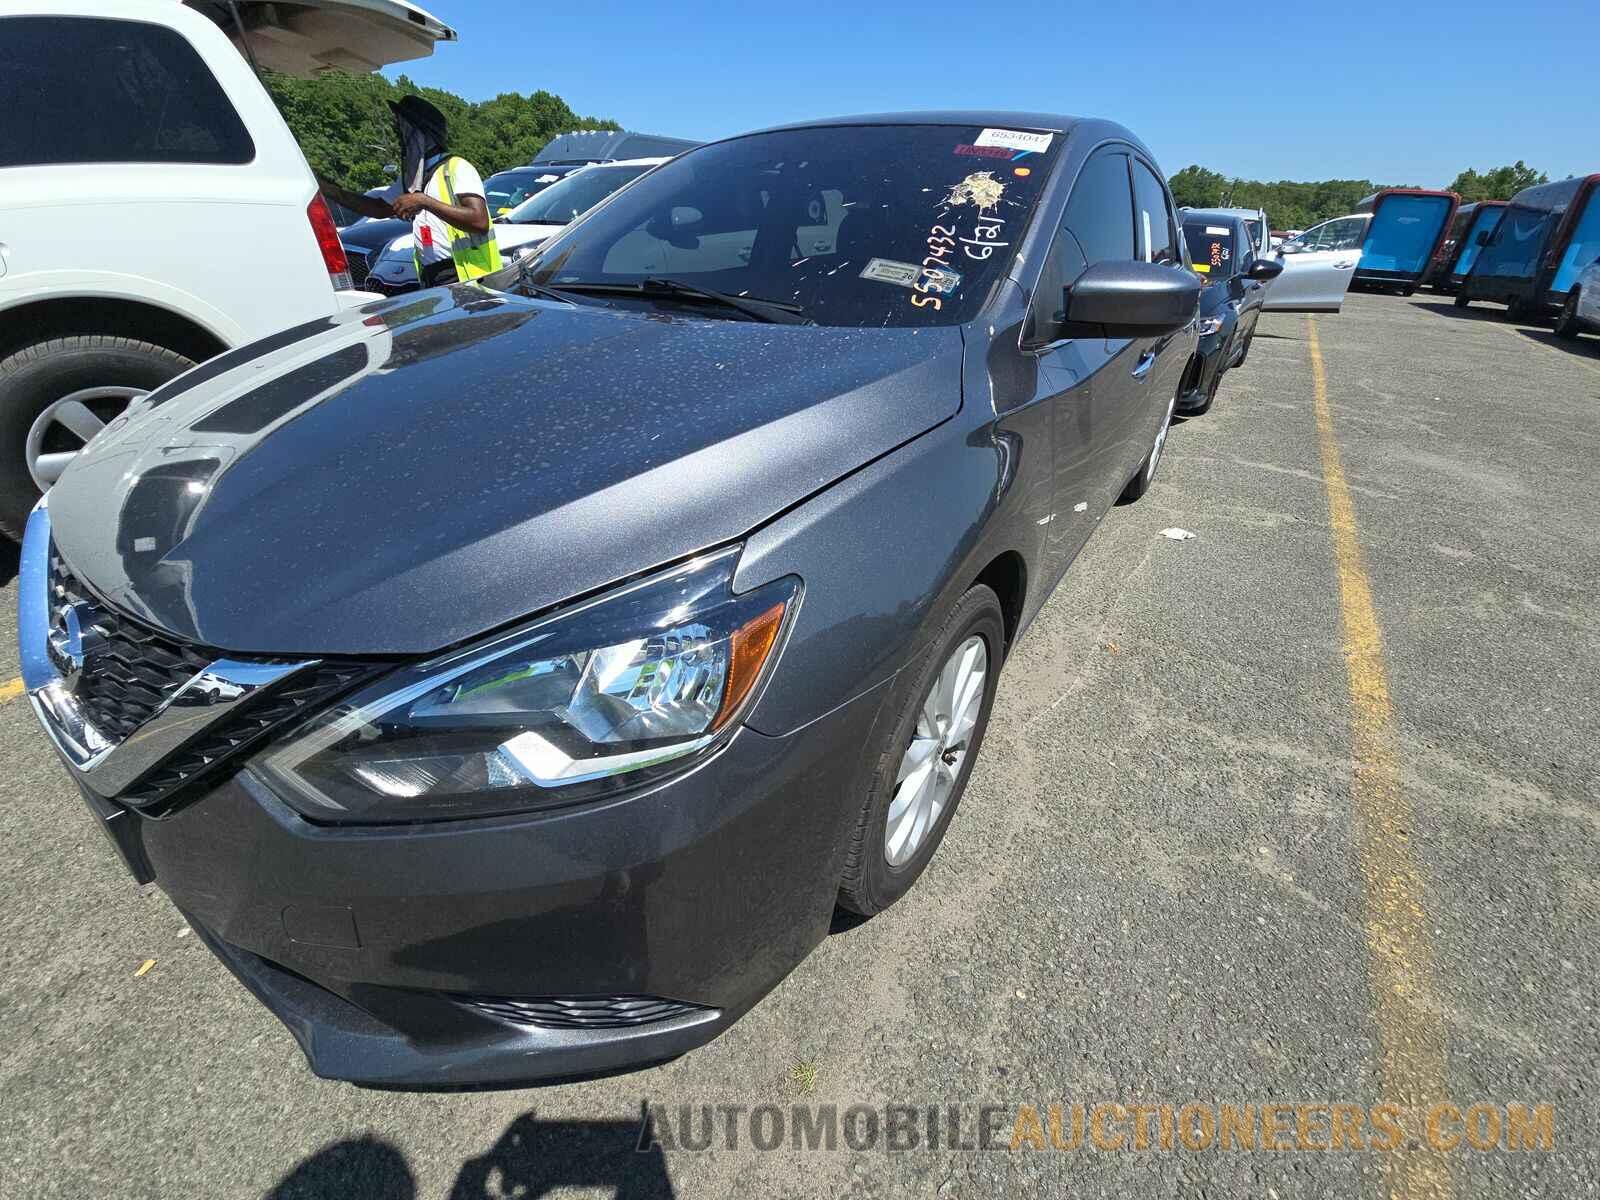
(581, 1012)
(213, 750)
(135, 672)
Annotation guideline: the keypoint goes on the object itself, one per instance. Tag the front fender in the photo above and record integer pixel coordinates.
(881, 555)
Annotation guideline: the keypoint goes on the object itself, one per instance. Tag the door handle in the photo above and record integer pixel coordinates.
(1142, 367)
(1344, 266)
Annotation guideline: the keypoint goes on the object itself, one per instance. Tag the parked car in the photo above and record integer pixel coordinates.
(365, 239)
(1318, 266)
(1256, 223)
(145, 107)
(1580, 312)
(393, 269)
(1403, 237)
(1222, 248)
(586, 146)
(527, 225)
(1531, 260)
(507, 189)
(1469, 232)
(602, 625)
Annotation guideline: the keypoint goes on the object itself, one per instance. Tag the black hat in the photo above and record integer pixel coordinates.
(423, 115)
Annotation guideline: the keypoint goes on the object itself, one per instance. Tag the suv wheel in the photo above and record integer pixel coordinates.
(1567, 323)
(57, 394)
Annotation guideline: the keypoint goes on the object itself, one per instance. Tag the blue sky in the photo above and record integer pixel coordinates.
(1399, 92)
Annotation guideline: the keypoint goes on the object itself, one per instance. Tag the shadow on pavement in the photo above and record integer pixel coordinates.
(1534, 331)
(533, 1158)
(10, 556)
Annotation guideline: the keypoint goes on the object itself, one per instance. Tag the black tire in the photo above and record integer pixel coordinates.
(1516, 312)
(1567, 326)
(1462, 300)
(1408, 291)
(1145, 475)
(34, 377)
(870, 884)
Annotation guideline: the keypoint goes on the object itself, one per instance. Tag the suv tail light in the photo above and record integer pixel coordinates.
(328, 242)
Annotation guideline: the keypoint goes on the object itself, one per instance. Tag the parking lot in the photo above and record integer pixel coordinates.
(1302, 809)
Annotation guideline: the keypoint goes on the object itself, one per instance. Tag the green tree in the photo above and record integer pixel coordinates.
(1499, 183)
(1288, 204)
(342, 123)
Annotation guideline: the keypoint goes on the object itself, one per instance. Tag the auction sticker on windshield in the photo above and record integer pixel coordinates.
(1015, 139)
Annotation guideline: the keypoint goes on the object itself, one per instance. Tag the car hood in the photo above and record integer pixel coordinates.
(425, 469)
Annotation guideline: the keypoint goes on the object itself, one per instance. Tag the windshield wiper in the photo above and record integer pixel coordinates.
(778, 312)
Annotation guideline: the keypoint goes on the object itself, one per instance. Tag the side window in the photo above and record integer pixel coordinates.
(93, 90)
(1097, 226)
(1347, 233)
(1158, 237)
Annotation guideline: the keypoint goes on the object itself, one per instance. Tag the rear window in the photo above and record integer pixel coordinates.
(1211, 248)
(91, 90)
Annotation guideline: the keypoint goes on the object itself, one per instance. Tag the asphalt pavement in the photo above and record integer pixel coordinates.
(1302, 809)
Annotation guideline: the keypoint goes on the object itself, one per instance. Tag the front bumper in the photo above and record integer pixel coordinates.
(1212, 355)
(377, 946)
(514, 949)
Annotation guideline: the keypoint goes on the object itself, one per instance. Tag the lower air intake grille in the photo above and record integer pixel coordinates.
(582, 1012)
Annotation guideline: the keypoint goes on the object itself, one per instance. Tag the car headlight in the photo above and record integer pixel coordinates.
(592, 700)
(1210, 325)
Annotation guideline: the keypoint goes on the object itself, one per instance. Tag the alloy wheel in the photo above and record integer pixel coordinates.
(932, 762)
(62, 430)
(1161, 440)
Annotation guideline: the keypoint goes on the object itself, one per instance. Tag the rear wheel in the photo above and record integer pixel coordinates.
(1516, 311)
(1461, 300)
(1140, 483)
(921, 769)
(1567, 323)
(57, 394)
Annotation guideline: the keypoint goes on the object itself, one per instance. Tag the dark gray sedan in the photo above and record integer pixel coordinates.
(508, 682)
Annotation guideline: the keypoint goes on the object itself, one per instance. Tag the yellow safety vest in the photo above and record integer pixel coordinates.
(475, 254)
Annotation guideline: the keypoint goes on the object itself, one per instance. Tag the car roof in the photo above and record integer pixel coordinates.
(628, 162)
(1230, 216)
(1244, 214)
(1091, 129)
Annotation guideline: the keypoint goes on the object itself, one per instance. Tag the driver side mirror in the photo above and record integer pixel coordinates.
(1131, 299)
(1263, 269)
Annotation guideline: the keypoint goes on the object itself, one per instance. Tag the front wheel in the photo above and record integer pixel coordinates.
(1462, 300)
(921, 768)
(1567, 323)
(57, 394)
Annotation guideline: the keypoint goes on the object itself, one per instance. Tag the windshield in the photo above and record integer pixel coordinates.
(1210, 247)
(568, 199)
(510, 188)
(856, 225)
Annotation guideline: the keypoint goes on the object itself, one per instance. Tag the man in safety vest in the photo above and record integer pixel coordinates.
(441, 194)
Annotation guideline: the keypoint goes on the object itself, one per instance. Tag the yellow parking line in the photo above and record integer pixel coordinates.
(10, 691)
(1411, 1036)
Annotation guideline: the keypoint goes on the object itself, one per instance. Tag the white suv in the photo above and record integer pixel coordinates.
(157, 209)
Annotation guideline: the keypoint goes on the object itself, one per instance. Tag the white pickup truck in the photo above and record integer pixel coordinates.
(140, 149)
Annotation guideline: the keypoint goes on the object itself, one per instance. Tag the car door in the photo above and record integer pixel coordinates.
(1318, 267)
(1088, 381)
(1249, 293)
(1156, 225)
